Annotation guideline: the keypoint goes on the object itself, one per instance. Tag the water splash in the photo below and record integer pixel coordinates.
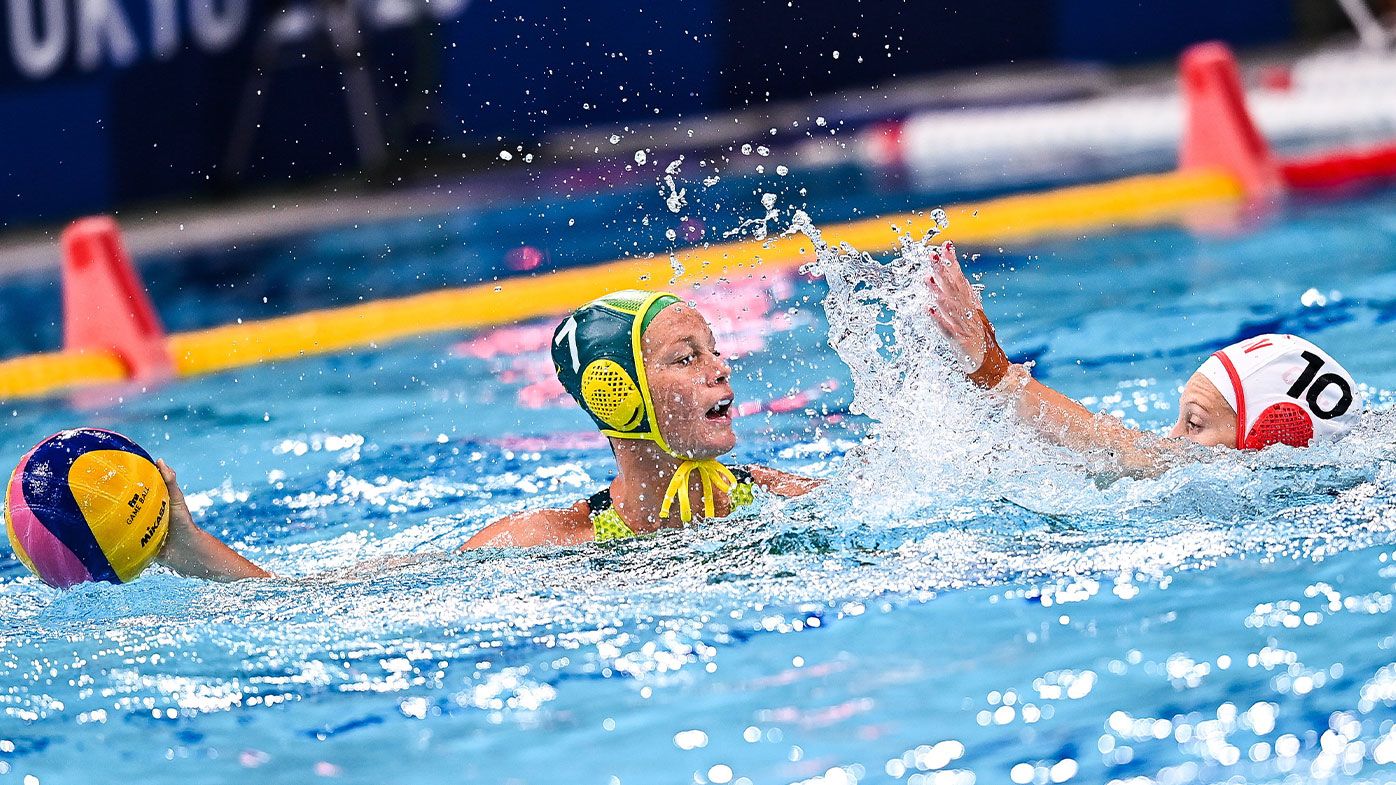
(758, 228)
(936, 436)
(674, 196)
(950, 563)
(938, 441)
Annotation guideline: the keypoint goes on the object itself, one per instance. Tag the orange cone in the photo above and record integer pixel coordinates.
(105, 307)
(1219, 132)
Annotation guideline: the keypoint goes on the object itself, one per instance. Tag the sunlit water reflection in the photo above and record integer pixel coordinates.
(959, 605)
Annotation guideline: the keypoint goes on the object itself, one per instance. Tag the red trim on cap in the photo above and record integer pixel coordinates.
(1240, 398)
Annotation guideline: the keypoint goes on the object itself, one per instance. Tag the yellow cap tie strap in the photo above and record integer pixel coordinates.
(710, 473)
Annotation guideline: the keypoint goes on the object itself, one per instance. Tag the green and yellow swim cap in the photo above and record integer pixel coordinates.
(598, 356)
(599, 361)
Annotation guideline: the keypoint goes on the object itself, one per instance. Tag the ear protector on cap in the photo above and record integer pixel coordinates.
(1285, 390)
(612, 396)
(597, 354)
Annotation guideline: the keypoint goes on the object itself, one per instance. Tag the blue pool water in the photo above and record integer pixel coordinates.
(958, 605)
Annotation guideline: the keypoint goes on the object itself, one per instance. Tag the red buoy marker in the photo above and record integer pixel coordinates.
(105, 307)
(1218, 130)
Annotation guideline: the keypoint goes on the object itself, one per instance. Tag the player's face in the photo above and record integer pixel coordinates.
(689, 384)
(1204, 416)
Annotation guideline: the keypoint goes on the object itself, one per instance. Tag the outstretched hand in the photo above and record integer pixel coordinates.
(959, 313)
(191, 551)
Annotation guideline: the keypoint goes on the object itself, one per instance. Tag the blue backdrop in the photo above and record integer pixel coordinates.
(106, 103)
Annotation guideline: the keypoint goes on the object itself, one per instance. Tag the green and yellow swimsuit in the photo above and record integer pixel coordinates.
(606, 523)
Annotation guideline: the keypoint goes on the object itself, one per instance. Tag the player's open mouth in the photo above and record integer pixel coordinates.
(719, 410)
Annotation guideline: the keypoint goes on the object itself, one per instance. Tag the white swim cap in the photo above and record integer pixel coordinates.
(1284, 390)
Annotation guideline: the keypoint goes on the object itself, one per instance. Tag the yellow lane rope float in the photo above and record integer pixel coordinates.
(1132, 201)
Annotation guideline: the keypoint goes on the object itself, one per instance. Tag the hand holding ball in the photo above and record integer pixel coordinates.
(86, 505)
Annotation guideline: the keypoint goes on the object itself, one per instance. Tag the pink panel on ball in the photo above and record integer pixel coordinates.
(57, 566)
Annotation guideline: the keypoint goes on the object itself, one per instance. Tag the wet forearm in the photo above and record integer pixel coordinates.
(1066, 422)
(201, 555)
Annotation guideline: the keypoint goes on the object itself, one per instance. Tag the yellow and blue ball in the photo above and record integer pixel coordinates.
(86, 505)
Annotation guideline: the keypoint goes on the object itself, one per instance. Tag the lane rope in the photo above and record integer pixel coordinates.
(1132, 201)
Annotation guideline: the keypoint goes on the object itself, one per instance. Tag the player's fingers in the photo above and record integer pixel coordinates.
(171, 484)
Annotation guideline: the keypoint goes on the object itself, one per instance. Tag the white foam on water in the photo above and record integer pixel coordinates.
(941, 449)
(946, 494)
(937, 440)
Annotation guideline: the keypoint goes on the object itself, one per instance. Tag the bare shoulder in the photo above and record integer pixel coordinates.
(566, 526)
(782, 483)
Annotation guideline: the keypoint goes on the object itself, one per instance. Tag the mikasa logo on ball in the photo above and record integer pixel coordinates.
(156, 525)
(137, 503)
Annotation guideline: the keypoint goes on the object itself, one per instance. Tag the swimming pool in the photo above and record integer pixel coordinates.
(955, 609)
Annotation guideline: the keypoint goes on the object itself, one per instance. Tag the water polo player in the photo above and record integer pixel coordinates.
(645, 367)
(1266, 390)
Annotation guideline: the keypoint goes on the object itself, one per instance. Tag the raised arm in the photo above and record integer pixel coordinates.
(959, 314)
(193, 552)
